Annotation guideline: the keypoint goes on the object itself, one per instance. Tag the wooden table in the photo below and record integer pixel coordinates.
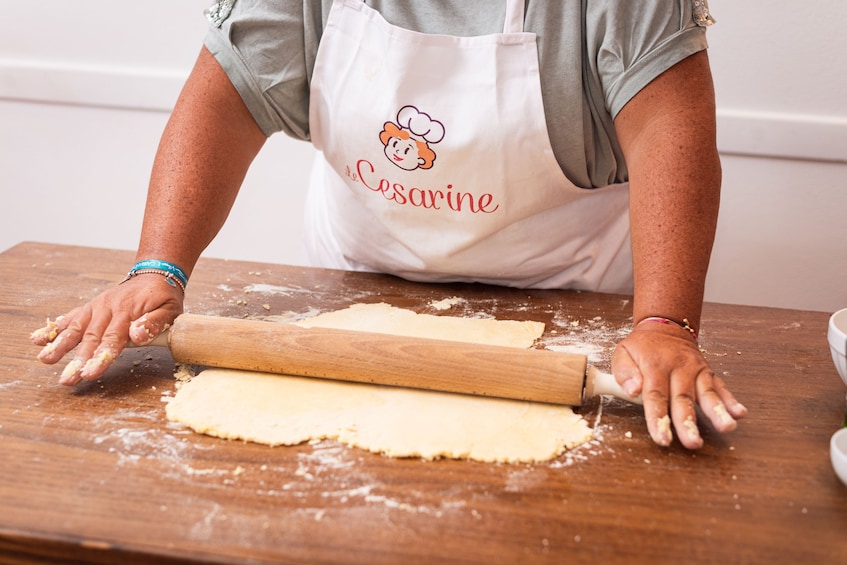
(96, 473)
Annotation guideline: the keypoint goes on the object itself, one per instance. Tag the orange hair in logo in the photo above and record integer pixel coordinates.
(390, 130)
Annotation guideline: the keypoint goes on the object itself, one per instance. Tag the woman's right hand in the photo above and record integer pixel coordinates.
(135, 311)
(206, 149)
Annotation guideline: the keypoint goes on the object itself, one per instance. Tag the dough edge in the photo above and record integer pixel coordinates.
(283, 410)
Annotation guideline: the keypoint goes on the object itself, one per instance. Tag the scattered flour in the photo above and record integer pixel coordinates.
(595, 338)
(275, 289)
(291, 317)
(446, 303)
(124, 434)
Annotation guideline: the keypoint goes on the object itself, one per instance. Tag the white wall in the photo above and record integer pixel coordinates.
(84, 95)
(781, 80)
(82, 105)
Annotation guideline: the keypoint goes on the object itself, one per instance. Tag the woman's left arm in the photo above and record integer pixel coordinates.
(667, 133)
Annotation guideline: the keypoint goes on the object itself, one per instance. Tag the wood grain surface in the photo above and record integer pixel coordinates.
(95, 473)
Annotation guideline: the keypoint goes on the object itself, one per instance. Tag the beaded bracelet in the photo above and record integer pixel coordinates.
(173, 274)
(659, 320)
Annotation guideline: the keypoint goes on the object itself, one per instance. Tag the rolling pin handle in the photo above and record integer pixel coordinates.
(161, 340)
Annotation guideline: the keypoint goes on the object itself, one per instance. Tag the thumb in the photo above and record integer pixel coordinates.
(146, 328)
(626, 371)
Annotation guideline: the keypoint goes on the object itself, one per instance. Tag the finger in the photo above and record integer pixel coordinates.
(716, 402)
(55, 349)
(66, 335)
(70, 374)
(112, 342)
(684, 413)
(88, 336)
(48, 333)
(655, 397)
(146, 328)
(626, 371)
(656, 415)
(735, 408)
(654, 394)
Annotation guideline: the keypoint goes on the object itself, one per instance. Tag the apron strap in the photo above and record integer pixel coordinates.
(514, 16)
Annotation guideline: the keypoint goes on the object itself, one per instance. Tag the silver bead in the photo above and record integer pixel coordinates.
(701, 14)
(219, 12)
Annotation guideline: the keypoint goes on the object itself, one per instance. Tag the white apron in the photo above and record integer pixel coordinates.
(436, 164)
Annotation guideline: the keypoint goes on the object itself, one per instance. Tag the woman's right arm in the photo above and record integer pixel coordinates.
(205, 151)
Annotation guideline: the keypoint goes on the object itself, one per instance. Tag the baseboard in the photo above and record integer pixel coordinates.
(97, 86)
(783, 135)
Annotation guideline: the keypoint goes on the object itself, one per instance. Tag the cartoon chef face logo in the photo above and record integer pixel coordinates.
(407, 143)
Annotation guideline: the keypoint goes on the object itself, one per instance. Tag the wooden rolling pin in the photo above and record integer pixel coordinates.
(488, 370)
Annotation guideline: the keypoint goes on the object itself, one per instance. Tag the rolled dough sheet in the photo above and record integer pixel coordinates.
(384, 318)
(286, 410)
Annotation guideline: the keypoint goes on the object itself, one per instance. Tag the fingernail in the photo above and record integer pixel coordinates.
(70, 374)
(631, 387)
(663, 430)
(101, 358)
(726, 421)
(48, 350)
(692, 431)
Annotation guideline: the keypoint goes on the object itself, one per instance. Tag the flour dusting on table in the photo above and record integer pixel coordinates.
(595, 338)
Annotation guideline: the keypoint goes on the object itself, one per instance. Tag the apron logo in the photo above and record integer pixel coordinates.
(407, 143)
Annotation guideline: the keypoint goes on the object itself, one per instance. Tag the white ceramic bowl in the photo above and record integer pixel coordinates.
(838, 454)
(837, 337)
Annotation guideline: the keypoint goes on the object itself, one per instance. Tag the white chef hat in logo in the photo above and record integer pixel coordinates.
(420, 124)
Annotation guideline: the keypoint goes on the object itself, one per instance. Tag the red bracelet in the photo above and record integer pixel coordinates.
(659, 320)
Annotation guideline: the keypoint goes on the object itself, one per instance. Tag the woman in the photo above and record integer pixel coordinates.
(546, 145)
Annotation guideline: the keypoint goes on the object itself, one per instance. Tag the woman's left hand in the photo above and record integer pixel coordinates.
(666, 366)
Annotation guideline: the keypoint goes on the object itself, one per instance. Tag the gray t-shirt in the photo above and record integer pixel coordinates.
(594, 56)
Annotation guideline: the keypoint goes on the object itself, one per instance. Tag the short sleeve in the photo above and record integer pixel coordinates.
(631, 43)
(262, 46)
